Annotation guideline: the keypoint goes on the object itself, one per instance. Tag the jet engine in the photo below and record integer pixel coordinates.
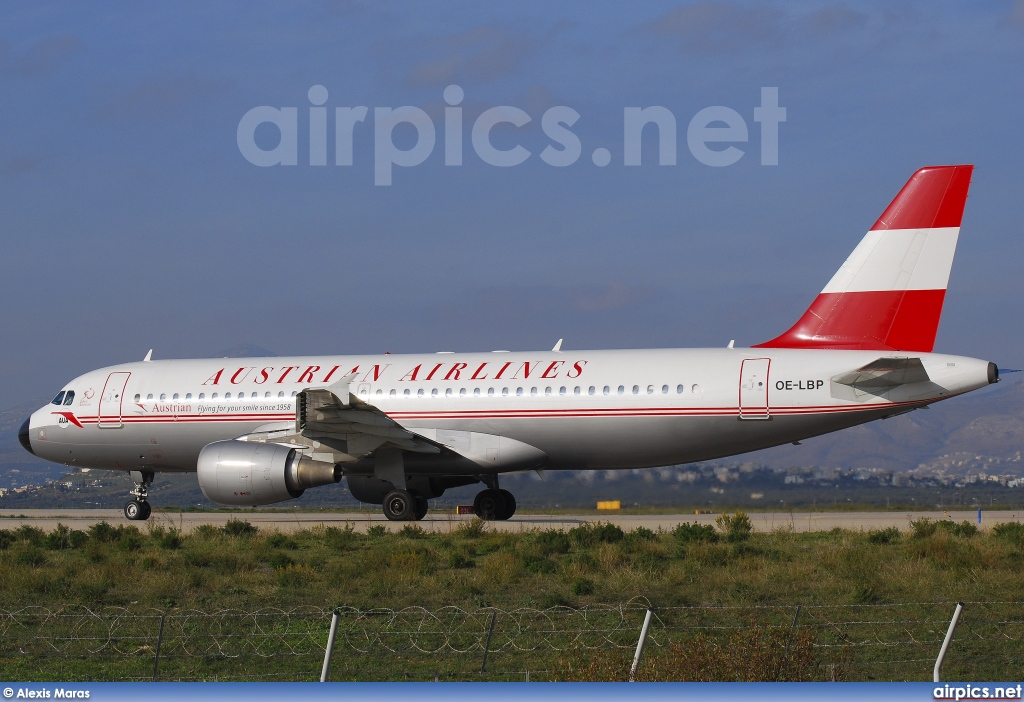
(249, 473)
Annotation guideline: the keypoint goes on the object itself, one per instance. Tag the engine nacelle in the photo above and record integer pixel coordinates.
(250, 473)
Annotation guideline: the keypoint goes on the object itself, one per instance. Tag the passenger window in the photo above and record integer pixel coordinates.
(462, 392)
(476, 392)
(188, 395)
(150, 396)
(433, 393)
(679, 389)
(212, 397)
(266, 395)
(561, 390)
(519, 392)
(591, 390)
(547, 391)
(622, 390)
(392, 393)
(59, 399)
(202, 396)
(69, 398)
(650, 389)
(504, 392)
(607, 390)
(636, 389)
(490, 392)
(227, 396)
(175, 397)
(380, 392)
(533, 391)
(406, 392)
(576, 390)
(294, 393)
(448, 392)
(664, 389)
(695, 389)
(419, 393)
(281, 394)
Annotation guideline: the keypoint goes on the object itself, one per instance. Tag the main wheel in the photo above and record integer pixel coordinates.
(510, 504)
(133, 510)
(147, 509)
(421, 507)
(399, 506)
(489, 504)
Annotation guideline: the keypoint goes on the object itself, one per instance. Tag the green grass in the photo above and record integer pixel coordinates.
(241, 603)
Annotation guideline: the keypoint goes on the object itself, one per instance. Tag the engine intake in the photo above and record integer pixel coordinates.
(249, 473)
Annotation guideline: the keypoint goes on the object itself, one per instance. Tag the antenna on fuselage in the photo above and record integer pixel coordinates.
(149, 356)
(558, 346)
(732, 344)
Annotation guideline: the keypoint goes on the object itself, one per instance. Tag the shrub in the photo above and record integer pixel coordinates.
(377, 531)
(641, 534)
(240, 528)
(552, 541)
(1009, 531)
(884, 536)
(337, 539)
(170, 540)
(583, 586)
(30, 534)
(736, 527)
(922, 528)
(294, 576)
(412, 531)
(686, 533)
(6, 539)
(30, 556)
(205, 532)
(102, 532)
(279, 540)
(460, 560)
(64, 538)
(962, 529)
(590, 534)
(472, 529)
(279, 560)
(536, 564)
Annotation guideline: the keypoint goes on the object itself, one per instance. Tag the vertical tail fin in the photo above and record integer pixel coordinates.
(889, 293)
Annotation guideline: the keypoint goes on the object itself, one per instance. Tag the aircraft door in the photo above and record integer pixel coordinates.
(111, 399)
(754, 388)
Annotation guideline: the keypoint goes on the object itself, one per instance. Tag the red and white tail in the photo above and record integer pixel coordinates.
(889, 293)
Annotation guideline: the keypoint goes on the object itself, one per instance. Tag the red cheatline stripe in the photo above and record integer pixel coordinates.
(933, 197)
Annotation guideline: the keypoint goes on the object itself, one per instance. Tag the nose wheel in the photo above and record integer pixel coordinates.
(138, 508)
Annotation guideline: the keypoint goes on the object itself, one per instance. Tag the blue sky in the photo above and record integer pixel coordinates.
(129, 218)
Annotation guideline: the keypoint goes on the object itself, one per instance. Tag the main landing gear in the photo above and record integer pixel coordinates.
(138, 508)
(404, 506)
(494, 505)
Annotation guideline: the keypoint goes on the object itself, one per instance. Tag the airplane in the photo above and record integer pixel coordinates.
(402, 429)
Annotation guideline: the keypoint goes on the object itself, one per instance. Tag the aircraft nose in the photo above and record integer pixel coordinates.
(23, 437)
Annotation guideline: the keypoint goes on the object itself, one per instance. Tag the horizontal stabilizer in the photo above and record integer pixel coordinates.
(885, 373)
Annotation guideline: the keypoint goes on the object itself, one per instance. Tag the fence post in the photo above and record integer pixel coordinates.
(945, 642)
(792, 629)
(330, 647)
(159, 640)
(487, 645)
(640, 644)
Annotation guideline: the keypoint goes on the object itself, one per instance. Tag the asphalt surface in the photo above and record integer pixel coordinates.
(445, 520)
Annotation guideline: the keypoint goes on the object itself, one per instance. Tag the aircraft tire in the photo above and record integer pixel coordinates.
(510, 504)
(133, 510)
(489, 504)
(400, 506)
(421, 507)
(147, 509)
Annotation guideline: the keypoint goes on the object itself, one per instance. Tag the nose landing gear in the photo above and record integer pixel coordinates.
(138, 508)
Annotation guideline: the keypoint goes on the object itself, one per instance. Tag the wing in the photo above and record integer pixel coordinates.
(341, 428)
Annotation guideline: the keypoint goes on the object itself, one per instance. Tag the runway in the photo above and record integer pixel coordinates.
(446, 520)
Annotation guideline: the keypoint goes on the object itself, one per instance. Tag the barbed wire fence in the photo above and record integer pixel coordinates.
(852, 642)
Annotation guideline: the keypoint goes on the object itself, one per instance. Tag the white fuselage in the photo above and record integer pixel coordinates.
(583, 409)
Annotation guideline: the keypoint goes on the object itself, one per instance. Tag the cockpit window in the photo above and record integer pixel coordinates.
(69, 397)
(59, 399)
